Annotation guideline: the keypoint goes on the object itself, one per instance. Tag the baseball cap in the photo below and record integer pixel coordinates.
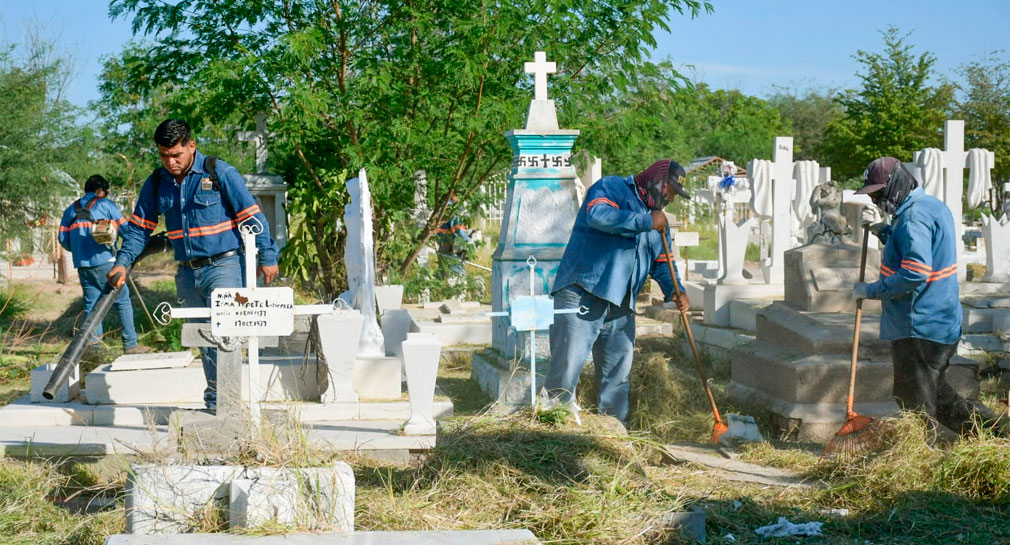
(677, 177)
(877, 174)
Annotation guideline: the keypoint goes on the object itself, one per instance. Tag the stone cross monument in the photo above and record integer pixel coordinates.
(540, 210)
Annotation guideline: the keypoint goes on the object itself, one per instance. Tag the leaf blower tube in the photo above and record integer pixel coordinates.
(72, 355)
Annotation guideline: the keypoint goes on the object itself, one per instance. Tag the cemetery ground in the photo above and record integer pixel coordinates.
(564, 482)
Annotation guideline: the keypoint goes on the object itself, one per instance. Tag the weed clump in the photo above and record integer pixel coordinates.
(565, 483)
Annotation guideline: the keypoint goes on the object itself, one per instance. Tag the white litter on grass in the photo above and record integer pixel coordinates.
(836, 512)
(784, 528)
(730, 537)
(737, 504)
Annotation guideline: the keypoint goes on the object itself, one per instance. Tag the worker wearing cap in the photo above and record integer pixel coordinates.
(615, 245)
(918, 289)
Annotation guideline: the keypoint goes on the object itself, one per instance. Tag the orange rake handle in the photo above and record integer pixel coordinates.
(849, 413)
(690, 335)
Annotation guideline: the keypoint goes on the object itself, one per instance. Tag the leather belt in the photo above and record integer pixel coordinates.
(201, 262)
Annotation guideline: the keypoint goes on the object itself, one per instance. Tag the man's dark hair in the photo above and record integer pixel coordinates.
(96, 182)
(172, 132)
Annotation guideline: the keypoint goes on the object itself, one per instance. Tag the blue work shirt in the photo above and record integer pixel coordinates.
(613, 248)
(200, 221)
(75, 235)
(918, 273)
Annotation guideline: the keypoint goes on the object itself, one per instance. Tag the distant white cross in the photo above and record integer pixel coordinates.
(259, 136)
(540, 68)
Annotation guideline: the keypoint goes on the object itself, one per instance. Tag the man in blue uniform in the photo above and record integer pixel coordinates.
(93, 259)
(918, 289)
(202, 217)
(615, 245)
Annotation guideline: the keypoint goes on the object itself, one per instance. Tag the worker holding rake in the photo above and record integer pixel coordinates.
(616, 243)
(918, 289)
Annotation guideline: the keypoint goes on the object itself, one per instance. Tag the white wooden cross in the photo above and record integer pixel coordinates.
(952, 160)
(540, 68)
(250, 312)
(259, 136)
(533, 313)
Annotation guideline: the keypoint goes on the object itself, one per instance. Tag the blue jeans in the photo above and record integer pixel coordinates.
(93, 281)
(194, 286)
(608, 331)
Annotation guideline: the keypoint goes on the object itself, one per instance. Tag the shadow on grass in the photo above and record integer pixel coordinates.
(922, 517)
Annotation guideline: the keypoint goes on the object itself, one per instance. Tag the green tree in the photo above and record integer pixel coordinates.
(395, 87)
(895, 113)
(39, 141)
(807, 115)
(986, 112)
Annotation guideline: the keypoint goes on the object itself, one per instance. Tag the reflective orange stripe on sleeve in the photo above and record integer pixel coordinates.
(141, 222)
(252, 210)
(602, 200)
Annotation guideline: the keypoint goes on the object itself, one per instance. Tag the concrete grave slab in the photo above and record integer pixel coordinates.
(377, 378)
(22, 441)
(154, 360)
(717, 298)
(173, 499)
(319, 499)
(442, 537)
(819, 332)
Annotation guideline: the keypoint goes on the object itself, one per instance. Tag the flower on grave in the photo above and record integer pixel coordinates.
(727, 183)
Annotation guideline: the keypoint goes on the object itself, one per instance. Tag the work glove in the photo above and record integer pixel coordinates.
(117, 276)
(871, 219)
(859, 291)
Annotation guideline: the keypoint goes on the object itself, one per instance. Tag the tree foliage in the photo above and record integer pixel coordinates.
(39, 142)
(895, 113)
(665, 117)
(394, 87)
(986, 112)
(806, 116)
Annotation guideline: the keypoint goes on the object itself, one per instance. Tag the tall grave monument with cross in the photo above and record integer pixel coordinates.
(269, 189)
(540, 210)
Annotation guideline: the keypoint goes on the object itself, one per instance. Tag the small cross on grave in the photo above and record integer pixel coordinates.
(540, 68)
(259, 136)
(533, 313)
(241, 316)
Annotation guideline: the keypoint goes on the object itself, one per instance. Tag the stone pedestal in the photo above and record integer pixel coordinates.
(338, 334)
(819, 277)
(421, 353)
(66, 392)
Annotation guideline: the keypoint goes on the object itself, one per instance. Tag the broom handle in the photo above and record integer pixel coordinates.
(855, 332)
(690, 334)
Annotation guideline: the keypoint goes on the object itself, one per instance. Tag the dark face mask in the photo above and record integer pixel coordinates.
(899, 184)
(654, 194)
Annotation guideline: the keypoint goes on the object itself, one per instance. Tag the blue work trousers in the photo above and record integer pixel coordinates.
(194, 286)
(93, 282)
(608, 331)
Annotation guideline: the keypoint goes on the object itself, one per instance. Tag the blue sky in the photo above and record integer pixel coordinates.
(751, 45)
